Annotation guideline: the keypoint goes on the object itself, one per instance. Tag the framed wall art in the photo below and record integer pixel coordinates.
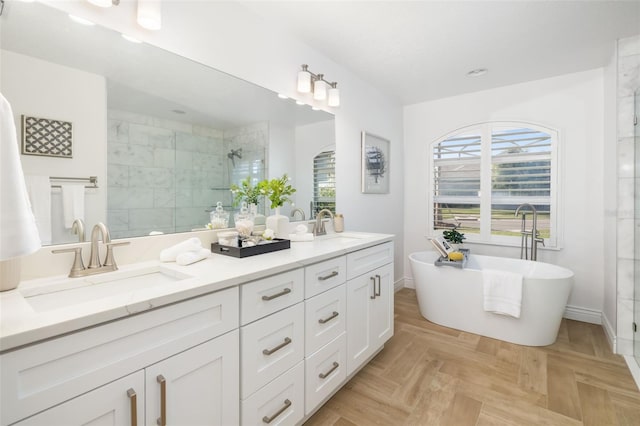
(375, 164)
(43, 136)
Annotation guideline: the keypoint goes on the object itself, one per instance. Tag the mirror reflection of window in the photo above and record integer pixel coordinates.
(324, 181)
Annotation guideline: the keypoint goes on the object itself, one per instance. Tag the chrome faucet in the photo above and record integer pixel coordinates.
(298, 210)
(535, 235)
(78, 228)
(319, 228)
(95, 267)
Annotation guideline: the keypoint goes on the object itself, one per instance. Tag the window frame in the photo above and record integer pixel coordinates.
(485, 130)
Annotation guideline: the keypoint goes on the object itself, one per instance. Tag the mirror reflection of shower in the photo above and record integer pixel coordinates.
(234, 153)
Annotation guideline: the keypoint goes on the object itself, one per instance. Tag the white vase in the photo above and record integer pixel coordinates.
(279, 224)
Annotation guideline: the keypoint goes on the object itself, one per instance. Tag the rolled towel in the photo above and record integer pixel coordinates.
(189, 257)
(170, 254)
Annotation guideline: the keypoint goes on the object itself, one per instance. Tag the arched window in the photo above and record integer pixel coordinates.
(482, 173)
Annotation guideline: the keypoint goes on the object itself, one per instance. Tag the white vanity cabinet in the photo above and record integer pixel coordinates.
(53, 379)
(369, 303)
(325, 324)
(272, 339)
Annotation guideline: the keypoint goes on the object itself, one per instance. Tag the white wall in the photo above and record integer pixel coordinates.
(573, 104)
(226, 36)
(43, 89)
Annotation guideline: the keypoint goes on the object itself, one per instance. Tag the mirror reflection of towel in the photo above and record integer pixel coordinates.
(72, 203)
(39, 189)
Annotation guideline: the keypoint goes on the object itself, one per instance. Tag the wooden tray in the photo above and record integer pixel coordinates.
(275, 245)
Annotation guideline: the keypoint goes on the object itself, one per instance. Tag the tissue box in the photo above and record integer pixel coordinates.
(275, 245)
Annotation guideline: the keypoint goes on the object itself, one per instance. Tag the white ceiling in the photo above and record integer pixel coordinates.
(416, 51)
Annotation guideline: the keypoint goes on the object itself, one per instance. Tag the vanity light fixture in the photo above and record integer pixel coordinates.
(150, 14)
(321, 88)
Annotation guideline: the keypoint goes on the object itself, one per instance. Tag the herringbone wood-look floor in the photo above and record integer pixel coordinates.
(432, 375)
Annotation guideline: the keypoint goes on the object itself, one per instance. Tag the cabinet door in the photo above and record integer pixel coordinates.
(382, 328)
(360, 295)
(117, 403)
(369, 314)
(196, 387)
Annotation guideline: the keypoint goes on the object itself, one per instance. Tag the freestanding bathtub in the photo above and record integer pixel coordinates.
(453, 297)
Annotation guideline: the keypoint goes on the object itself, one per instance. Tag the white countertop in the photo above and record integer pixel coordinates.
(21, 324)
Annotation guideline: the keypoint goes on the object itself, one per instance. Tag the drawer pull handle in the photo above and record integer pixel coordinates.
(277, 348)
(133, 400)
(162, 420)
(373, 279)
(379, 286)
(275, 296)
(286, 405)
(331, 370)
(326, 277)
(326, 320)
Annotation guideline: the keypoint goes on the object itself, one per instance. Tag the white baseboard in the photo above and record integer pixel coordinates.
(408, 283)
(610, 333)
(398, 285)
(632, 363)
(578, 313)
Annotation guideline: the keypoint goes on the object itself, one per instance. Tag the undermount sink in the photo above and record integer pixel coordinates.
(73, 291)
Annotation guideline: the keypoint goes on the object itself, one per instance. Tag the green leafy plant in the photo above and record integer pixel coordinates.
(278, 190)
(453, 236)
(246, 192)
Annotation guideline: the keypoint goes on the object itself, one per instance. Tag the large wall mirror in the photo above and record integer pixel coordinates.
(165, 136)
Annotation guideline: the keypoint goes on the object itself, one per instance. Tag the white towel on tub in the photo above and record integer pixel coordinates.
(502, 292)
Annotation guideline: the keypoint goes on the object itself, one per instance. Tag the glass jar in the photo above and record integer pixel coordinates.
(244, 221)
(218, 218)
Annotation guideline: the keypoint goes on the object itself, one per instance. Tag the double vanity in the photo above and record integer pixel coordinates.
(260, 340)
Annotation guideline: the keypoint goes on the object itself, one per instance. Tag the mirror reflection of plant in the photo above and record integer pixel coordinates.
(246, 192)
(453, 236)
(277, 190)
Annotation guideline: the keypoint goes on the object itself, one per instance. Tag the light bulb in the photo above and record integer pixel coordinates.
(150, 14)
(319, 89)
(334, 96)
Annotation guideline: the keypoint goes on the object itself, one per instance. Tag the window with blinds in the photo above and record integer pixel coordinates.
(483, 173)
(324, 181)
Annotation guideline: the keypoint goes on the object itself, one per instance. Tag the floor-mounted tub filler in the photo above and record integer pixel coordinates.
(454, 297)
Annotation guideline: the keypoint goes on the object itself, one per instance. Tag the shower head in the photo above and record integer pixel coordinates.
(234, 153)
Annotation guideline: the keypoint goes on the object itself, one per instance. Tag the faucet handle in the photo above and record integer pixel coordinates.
(109, 260)
(78, 264)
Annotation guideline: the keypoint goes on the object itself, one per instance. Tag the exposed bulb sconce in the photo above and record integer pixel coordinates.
(150, 14)
(321, 88)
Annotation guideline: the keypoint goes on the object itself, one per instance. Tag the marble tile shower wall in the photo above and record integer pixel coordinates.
(163, 175)
(628, 184)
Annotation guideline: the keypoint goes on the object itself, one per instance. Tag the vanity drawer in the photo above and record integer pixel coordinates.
(270, 347)
(324, 275)
(42, 375)
(281, 401)
(268, 295)
(325, 318)
(363, 261)
(325, 371)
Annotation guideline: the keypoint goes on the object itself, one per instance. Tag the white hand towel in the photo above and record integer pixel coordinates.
(39, 189)
(18, 229)
(189, 257)
(170, 254)
(72, 203)
(502, 292)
